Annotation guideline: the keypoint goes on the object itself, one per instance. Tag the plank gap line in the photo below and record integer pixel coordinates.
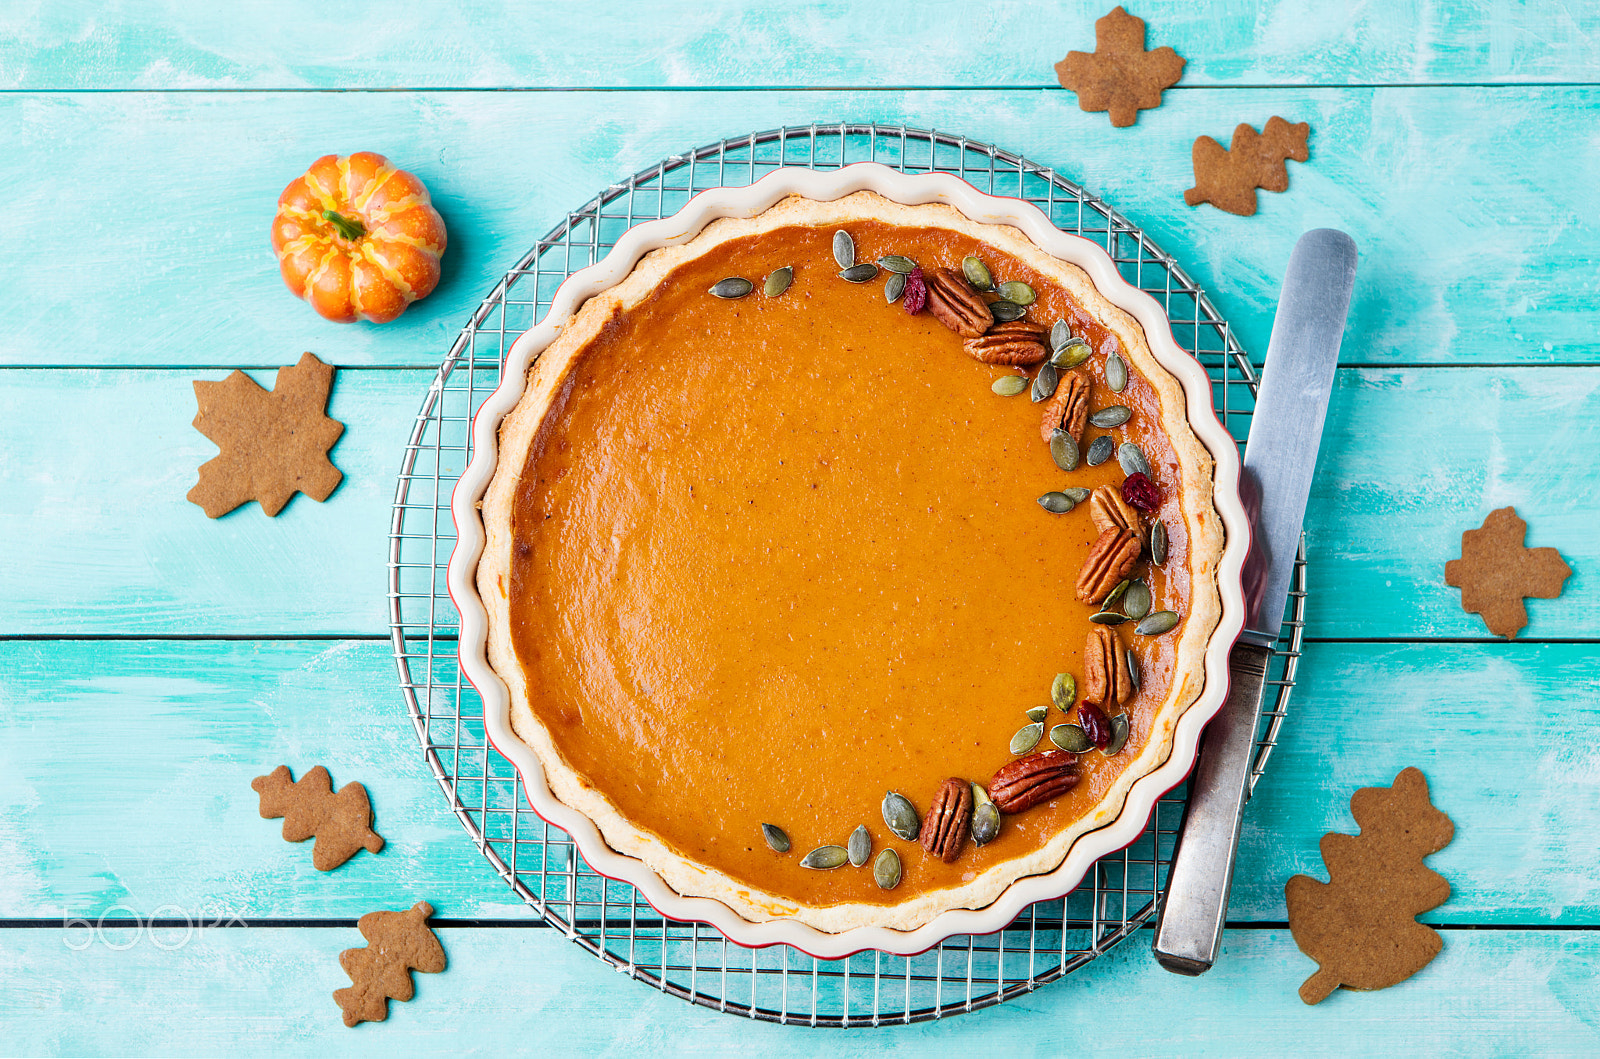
(434, 366)
(451, 636)
(534, 923)
(1044, 86)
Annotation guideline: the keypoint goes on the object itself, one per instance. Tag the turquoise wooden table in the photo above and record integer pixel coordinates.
(154, 660)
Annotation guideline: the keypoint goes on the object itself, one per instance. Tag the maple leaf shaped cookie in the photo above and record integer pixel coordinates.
(1119, 75)
(1496, 572)
(1228, 179)
(273, 444)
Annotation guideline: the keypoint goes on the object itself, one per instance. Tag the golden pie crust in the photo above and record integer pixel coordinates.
(552, 373)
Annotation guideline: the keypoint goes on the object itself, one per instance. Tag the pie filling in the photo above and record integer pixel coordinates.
(776, 556)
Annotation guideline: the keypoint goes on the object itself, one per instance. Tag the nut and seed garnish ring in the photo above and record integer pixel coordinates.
(538, 861)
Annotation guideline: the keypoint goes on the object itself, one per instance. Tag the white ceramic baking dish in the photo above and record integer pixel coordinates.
(747, 202)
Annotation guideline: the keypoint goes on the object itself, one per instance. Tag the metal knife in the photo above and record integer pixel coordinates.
(1279, 457)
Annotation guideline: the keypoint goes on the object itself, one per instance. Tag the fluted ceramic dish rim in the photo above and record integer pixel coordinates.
(748, 201)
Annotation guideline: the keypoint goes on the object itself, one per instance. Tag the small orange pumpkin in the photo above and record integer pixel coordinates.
(358, 238)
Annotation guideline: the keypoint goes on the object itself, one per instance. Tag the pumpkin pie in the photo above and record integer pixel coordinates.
(781, 542)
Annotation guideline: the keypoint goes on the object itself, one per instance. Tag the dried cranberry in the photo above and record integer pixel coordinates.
(1095, 724)
(1141, 492)
(916, 292)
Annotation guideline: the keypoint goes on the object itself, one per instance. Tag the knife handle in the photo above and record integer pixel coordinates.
(1195, 905)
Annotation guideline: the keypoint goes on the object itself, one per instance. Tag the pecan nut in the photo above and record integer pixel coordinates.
(1111, 558)
(1018, 342)
(944, 830)
(1069, 409)
(1107, 510)
(1028, 781)
(955, 304)
(1105, 674)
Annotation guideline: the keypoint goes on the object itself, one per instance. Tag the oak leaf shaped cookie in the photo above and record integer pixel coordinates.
(397, 944)
(342, 822)
(1119, 75)
(1496, 572)
(1228, 179)
(1360, 926)
(273, 444)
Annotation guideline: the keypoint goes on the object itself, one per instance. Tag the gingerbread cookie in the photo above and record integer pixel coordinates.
(273, 444)
(1119, 75)
(397, 944)
(342, 822)
(1496, 572)
(1361, 926)
(1229, 179)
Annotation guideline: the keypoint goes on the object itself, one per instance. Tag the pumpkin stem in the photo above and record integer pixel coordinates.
(348, 227)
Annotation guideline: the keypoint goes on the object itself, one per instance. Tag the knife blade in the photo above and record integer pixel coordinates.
(1280, 456)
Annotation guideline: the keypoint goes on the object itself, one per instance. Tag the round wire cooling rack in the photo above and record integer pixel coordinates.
(540, 863)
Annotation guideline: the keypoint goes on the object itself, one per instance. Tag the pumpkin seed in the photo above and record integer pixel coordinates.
(1132, 459)
(1100, 450)
(1063, 449)
(1027, 738)
(900, 816)
(985, 821)
(1119, 735)
(886, 870)
(1156, 624)
(1111, 416)
(985, 816)
(1107, 617)
(732, 287)
(776, 837)
(862, 273)
(1075, 352)
(1010, 385)
(1133, 670)
(825, 858)
(778, 282)
(844, 248)
(859, 846)
(1064, 691)
(1116, 373)
(1004, 312)
(1136, 601)
(1044, 383)
(1071, 738)
(1158, 542)
(1016, 291)
(1115, 594)
(1076, 493)
(977, 273)
(1060, 335)
(897, 263)
(1056, 503)
(1036, 713)
(895, 287)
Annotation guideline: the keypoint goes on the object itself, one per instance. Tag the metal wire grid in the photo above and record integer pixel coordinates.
(539, 862)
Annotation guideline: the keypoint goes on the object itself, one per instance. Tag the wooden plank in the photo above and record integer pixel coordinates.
(267, 992)
(129, 765)
(101, 540)
(184, 726)
(162, 258)
(101, 537)
(1501, 732)
(1411, 458)
(142, 45)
